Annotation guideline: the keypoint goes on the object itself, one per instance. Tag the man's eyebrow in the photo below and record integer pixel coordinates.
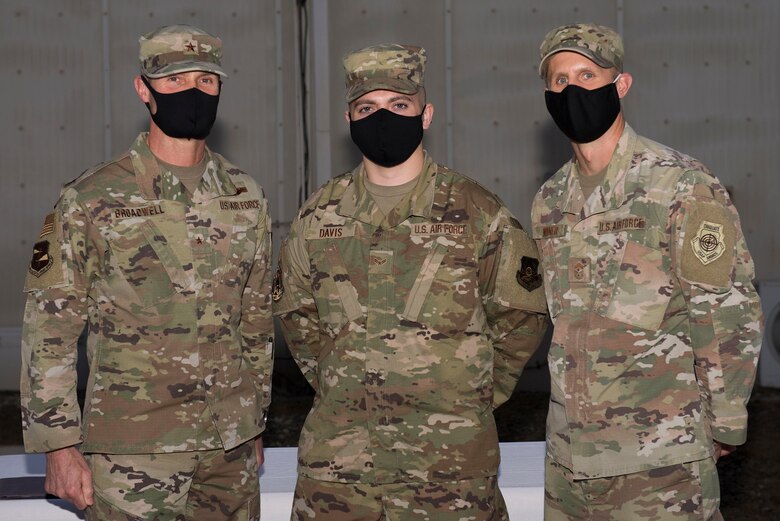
(400, 97)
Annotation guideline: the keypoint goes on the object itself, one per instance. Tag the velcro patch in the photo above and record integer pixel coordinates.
(579, 270)
(708, 243)
(46, 269)
(622, 224)
(449, 229)
(48, 226)
(141, 211)
(528, 275)
(331, 231)
(252, 204)
(519, 289)
(548, 232)
(708, 251)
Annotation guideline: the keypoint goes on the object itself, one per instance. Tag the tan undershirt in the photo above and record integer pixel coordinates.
(189, 176)
(589, 183)
(388, 197)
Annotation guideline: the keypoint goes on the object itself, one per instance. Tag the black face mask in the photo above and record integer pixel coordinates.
(386, 138)
(186, 114)
(584, 115)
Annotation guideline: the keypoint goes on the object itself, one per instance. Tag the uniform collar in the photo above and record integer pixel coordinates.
(612, 192)
(156, 182)
(358, 204)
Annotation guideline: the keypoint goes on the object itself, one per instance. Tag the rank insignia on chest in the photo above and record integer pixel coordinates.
(708, 243)
(579, 270)
(41, 259)
(528, 275)
(278, 287)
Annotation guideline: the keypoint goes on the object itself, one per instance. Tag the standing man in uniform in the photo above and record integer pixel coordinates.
(164, 253)
(649, 285)
(410, 298)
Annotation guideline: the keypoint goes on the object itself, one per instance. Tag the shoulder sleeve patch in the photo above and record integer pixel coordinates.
(708, 245)
(46, 269)
(519, 283)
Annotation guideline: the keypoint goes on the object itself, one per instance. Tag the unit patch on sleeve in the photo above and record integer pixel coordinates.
(46, 268)
(708, 244)
(41, 259)
(528, 275)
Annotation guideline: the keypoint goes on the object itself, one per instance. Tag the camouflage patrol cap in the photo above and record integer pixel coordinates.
(179, 48)
(596, 42)
(390, 66)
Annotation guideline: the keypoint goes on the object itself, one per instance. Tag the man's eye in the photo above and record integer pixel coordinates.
(401, 106)
(363, 110)
(560, 81)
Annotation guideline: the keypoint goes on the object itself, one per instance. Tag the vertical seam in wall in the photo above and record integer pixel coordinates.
(448, 80)
(619, 17)
(107, 153)
(279, 203)
(320, 63)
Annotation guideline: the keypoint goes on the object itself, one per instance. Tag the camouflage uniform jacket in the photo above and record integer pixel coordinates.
(411, 327)
(657, 322)
(175, 291)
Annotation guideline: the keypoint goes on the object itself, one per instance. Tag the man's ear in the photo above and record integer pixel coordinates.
(142, 90)
(623, 84)
(427, 116)
(346, 116)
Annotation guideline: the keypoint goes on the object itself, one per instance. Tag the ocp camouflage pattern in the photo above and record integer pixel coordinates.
(654, 352)
(396, 67)
(179, 48)
(598, 42)
(175, 291)
(411, 327)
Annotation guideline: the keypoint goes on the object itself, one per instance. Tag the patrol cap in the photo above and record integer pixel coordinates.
(389, 66)
(179, 48)
(597, 42)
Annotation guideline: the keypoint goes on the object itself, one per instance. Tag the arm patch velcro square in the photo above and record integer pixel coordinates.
(708, 249)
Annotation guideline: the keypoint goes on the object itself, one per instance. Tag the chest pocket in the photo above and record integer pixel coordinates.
(244, 235)
(335, 296)
(146, 260)
(553, 249)
(636, 285)
(445, 293)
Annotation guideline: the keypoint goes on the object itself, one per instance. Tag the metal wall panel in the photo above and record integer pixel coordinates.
(354, 24)
(67, 61)
(50, 121)
(502, 134)
(706, 83)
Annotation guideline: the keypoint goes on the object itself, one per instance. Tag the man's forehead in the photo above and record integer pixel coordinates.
(570, 60)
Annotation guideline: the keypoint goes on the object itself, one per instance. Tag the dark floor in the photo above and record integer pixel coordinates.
(750, 478)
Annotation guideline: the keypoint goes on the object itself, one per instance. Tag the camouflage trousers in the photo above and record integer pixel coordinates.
(687, 491)
(467, 500)
(199, 486)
